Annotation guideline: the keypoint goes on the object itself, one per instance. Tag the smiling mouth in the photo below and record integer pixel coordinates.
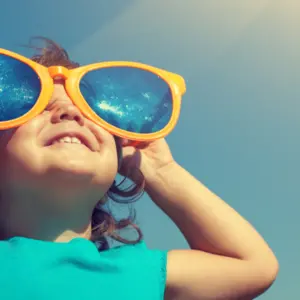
(68, 140)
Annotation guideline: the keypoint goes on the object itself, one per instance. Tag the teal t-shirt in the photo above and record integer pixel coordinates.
(39, 270)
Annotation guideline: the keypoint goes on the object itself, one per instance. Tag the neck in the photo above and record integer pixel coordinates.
(28, 217)
(70, 235)
(63, 228)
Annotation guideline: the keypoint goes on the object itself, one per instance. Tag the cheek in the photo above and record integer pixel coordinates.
(20, 143)
(19, 153)
(107, 163)
(110, 153)
(21, 160)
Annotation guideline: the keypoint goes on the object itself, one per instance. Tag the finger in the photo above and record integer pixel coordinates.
(140, 145)
(128, 151)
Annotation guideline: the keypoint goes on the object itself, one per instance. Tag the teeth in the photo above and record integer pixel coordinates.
(75, 140)
(65, 139)
(68, 139)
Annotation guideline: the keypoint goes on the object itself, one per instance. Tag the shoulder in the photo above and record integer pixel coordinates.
(146, 267)
(139, 256)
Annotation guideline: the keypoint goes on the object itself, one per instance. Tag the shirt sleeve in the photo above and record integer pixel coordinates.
(156, 260)
(146, 267)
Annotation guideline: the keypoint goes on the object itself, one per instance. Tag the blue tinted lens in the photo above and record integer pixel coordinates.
(129, 98)
(19, 88)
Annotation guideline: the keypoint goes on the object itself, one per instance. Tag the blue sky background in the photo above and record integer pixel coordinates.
(239, 128)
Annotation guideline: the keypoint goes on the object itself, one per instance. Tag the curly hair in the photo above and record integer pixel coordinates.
(104, 225)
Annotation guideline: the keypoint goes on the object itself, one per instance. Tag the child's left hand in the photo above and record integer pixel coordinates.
(147, 157)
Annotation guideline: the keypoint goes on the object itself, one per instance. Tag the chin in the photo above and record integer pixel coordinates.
(72, 169)
(77, 173)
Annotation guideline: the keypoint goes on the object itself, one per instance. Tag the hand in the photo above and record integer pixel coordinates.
(147, 157)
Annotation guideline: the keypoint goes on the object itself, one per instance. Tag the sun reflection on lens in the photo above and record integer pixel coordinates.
(105, 106)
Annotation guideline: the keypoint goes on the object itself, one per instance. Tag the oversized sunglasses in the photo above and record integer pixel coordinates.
(129, 99)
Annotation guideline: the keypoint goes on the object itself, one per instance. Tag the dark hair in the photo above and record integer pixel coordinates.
(104, 224)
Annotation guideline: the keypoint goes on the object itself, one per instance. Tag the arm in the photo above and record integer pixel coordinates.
(228, 258)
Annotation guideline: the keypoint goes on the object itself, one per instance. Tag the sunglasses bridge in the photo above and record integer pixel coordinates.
(58, 72)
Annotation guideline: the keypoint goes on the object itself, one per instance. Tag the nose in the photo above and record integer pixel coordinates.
(67, 112)
(62, 107)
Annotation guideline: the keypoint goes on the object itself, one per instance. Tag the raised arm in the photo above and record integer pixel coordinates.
(228, 258)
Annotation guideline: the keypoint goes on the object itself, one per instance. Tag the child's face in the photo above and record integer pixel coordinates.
(34, 160)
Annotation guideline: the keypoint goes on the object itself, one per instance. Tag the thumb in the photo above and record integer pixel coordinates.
(128, 152)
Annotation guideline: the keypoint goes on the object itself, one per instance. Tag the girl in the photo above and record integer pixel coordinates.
(58, 168)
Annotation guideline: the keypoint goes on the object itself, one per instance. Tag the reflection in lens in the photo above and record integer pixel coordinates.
(19, 88)
(129, 98)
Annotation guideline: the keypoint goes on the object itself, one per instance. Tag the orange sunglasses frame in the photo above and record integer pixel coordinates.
(72, 79)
